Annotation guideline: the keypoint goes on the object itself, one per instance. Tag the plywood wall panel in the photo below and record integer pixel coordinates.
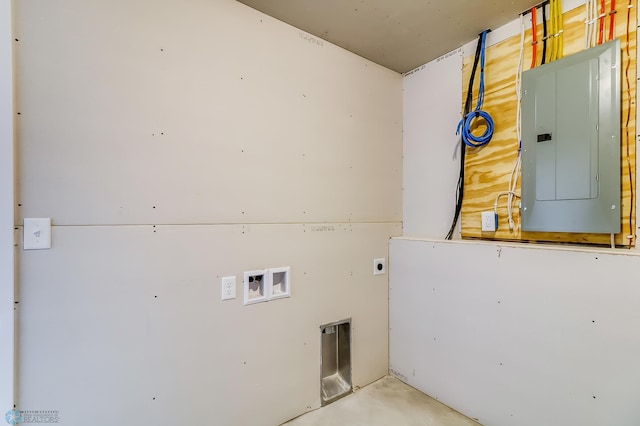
(488, 169)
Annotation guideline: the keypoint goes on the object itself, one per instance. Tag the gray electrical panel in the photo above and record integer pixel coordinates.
(571, 143)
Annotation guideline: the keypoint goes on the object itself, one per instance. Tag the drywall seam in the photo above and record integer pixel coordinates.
(7, 266)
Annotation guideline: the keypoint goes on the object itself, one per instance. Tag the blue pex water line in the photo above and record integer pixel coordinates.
(464, 126)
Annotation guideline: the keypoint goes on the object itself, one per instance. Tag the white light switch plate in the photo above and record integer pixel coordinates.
(37, 234)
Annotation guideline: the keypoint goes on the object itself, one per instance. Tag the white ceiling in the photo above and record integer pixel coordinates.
(398, 34)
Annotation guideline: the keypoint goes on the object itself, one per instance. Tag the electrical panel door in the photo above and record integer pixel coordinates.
(571, 143)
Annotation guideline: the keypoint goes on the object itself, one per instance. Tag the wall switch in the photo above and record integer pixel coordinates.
(37, 234)
(228, 288)
(489, 222)
(379, 266)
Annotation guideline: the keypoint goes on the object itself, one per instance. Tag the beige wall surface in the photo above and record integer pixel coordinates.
(174, 143)
(124, 325)
(208, 111)
(7, 249)
(520, 334)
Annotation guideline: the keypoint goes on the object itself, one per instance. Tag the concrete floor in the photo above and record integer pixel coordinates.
(387, 402)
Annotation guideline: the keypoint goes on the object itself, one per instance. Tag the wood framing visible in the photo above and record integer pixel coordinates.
(487, 169)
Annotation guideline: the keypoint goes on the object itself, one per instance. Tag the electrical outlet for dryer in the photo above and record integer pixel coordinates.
(379, 266)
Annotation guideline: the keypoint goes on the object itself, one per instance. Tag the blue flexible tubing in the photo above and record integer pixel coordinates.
(464, 126)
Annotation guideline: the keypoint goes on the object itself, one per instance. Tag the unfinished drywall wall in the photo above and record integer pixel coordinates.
(127, 321)
(171, 101)
(431, 152)
(174, 143)
(7, 232)
(520, 335)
